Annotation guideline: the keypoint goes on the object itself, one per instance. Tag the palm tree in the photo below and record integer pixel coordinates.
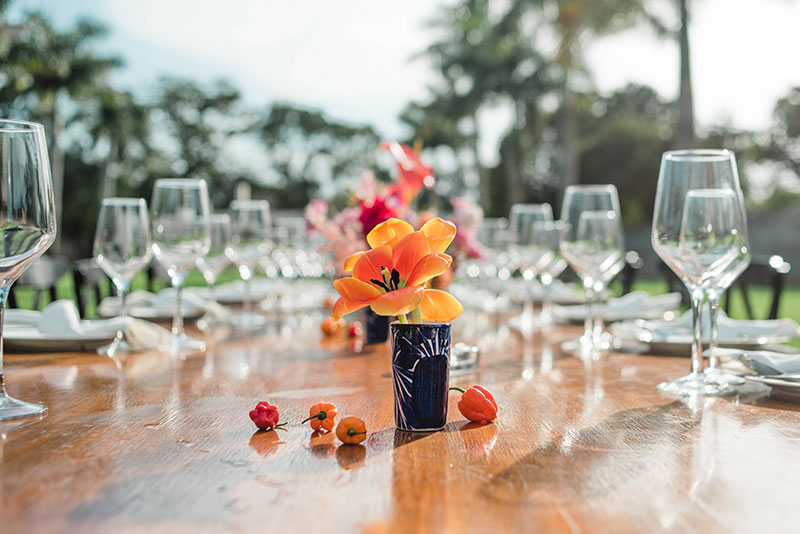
(45, 70)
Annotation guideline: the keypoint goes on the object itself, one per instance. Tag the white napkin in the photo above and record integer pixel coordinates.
(194, 301)
(634, 304)
(60, 318)
(730, 330)
(764, 362)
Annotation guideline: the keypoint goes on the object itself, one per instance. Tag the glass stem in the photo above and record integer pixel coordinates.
(597, 312)
(713, 308)
(3, 297)
(697, 330)
(588, 324)
(122, 289)
(177, 319)
(547, 299)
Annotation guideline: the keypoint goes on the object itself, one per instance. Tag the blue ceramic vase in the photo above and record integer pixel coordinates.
(376, 327)
(420, 375)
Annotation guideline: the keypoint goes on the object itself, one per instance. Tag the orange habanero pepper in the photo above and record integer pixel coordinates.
(322, 415)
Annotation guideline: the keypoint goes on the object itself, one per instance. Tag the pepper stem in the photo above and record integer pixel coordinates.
(279, 425)
(352, 432)
(458, 389)
(320, 416)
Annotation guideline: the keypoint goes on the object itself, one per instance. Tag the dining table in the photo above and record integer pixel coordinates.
(158, 442)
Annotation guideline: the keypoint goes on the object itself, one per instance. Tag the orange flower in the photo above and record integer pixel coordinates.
(390, 278)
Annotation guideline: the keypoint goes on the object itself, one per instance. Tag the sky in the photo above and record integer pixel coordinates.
(354, 59)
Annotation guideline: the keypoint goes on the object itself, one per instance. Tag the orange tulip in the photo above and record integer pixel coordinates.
(390, 277)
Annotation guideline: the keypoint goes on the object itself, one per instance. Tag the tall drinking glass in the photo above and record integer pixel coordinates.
(699, 230)
(180, 223)
(251, 237)
(592, 242)
(217, 258)
(521, 221)
(122, 247)
(547, 236)
(27, 223)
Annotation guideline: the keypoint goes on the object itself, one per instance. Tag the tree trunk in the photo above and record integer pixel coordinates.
(483, 176)
(57, 168)
(684, 134)
(569, 133)
(109, 172)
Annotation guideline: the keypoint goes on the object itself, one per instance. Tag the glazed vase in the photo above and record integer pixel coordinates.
(420, 375)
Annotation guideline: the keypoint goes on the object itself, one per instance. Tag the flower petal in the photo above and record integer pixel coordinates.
(398, 302)
(351, 260)
(388, 233)
(429, 267)
(439, 306)
(343, 307)
(356, 290)
(408, 252)
(368, 267)
(439, 233)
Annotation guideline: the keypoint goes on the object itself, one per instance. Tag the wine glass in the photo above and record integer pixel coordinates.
(521, 220)
(251, 232)
(28, 223)
(699, 230)
(218, 256)
(592, 242)
(122, 247)
(547, 236)
(180, 223)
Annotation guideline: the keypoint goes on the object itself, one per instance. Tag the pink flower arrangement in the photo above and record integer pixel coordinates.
(468, 217)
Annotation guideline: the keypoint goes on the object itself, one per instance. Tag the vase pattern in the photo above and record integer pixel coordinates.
(420, 375)
(376, 327)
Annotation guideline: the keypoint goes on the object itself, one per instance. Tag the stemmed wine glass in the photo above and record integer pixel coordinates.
(546, 236)
(592, 242)
(122, 247)
(218, 256)
(699, 230)
(180, 222)
(521, 220)
(27, 223)
(251, 233)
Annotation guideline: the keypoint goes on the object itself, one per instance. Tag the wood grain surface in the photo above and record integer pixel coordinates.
(154, 443)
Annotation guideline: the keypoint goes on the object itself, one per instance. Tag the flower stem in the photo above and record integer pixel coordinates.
(417, 315)
(402, 319)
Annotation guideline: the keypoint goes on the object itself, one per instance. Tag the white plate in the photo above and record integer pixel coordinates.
(780, 387)
(29, 339)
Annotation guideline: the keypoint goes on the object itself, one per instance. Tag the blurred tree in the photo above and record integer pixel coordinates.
(782, 147)
(46, 74)
(486, 57)
(624, 135)
(193, 126)
(307, 150)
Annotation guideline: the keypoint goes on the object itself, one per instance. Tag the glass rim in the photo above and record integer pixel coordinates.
(179, 182)
(19, 126)
(589, 187)
(249, 203)
(699, 154)
(124, 201)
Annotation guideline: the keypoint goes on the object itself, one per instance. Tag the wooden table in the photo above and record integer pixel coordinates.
(159, 444)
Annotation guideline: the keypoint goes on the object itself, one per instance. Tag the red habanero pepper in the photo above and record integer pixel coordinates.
(266, 416)
(477, 404)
